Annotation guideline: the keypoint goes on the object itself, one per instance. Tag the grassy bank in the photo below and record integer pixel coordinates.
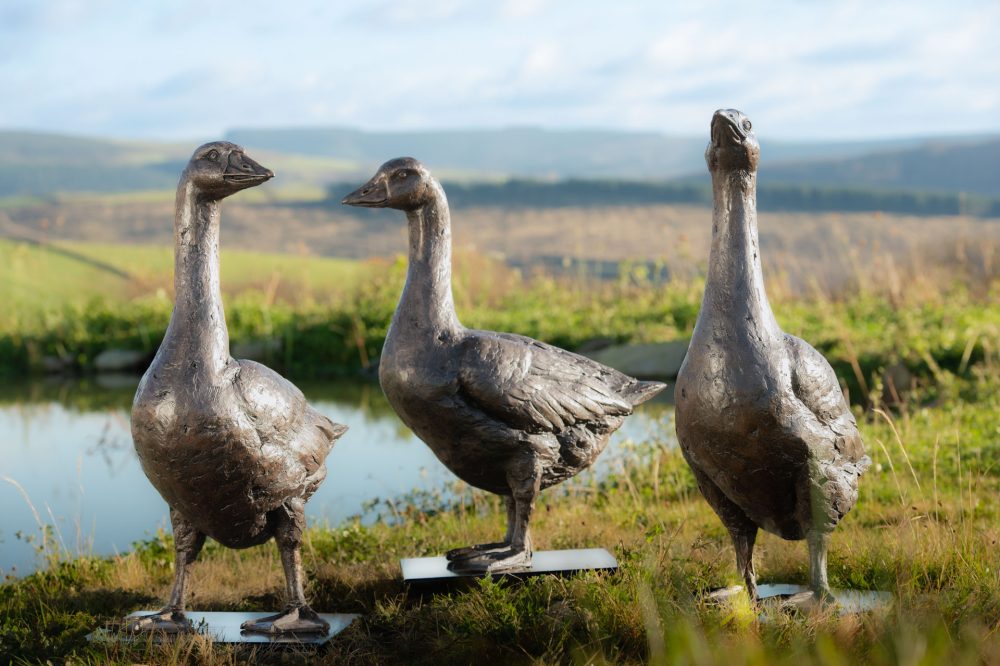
(924, 331)
(41, 280)
(925, 529)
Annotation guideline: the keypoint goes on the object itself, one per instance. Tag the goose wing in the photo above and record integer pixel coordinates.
(536, 387)
(816, 386)
(292, 438)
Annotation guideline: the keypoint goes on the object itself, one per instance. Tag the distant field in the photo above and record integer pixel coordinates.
(76, 272)
(802, 251)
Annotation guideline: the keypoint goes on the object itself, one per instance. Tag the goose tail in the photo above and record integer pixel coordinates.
(639, 392)
(331, 429)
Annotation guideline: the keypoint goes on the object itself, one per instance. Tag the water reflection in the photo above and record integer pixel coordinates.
(67, 445)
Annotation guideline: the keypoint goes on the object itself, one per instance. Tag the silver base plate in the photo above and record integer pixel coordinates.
(224, 627)
(429, 570)
(849, 602)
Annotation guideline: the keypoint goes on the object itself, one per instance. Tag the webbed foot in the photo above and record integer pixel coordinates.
(293, 620)
(168, 621)
(469, 551)
(725, 595)
(810, 601)
(500, 561)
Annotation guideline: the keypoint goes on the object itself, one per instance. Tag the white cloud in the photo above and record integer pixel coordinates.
(801, 69)
(541, 61)
(406, 13)
(521, 8)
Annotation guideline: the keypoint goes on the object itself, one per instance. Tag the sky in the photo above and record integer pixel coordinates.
(818, 70)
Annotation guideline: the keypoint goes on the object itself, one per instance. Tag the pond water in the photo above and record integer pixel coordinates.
(66, 461)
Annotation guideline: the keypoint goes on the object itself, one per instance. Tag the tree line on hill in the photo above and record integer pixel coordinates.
(525, 193)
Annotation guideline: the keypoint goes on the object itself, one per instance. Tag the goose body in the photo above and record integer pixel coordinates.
(760, 415)
(483, 400)
(503, 412)
(233, 447)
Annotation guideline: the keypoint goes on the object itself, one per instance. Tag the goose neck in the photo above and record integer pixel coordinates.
(735, 286)
(197, 333)
(427, 303)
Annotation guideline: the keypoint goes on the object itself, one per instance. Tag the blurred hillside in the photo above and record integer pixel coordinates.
(970, 166)
(540, 153)
(307, 160)
(49, 165)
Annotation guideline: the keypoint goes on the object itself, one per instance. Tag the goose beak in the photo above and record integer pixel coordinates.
(242, 169)
(725, 128)
(373, 194)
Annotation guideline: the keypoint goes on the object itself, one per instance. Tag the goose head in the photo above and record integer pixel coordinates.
(733, 146)
(403, 183)
(219, 169)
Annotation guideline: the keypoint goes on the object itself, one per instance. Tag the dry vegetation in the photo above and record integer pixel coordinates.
(829, 250)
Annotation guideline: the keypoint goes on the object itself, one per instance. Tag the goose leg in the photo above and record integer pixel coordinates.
(743, 542)
(819, 543)
(819, 595)
(188, 542)
(297, 617)
(468, 551)
(525, 483)
(742, 530)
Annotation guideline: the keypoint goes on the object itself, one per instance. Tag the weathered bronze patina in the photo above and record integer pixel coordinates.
(232, 446)
(505, 413)
(760, 415)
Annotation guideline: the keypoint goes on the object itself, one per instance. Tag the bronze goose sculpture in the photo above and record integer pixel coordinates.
(505, 413)
(760, 415)
(232, 446)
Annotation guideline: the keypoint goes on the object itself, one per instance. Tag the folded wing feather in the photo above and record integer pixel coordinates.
(535, 387)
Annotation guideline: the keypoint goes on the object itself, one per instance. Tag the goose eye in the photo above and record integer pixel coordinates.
(402, 175)
(212, 155)
(746, 125)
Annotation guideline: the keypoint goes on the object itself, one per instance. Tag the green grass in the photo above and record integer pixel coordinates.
(50, 278)
(33, 275)
(924, 529)
(15, 201)
(75, 300)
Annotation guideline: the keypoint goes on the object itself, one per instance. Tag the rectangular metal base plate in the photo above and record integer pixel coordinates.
(224, 627)
(434, 570)
(849, 602)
